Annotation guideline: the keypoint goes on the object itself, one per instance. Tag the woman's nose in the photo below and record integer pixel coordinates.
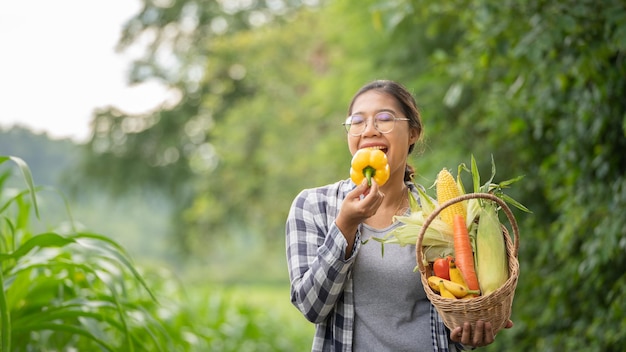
(370, 128)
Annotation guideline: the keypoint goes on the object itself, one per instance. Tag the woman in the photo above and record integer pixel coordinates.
(359, 299)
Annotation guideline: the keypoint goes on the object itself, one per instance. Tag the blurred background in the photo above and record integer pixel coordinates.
(183, 129)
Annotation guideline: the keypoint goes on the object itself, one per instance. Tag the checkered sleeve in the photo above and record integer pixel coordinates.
(315, 255)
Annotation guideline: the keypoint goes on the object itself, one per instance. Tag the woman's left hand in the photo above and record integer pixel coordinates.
(482, 335)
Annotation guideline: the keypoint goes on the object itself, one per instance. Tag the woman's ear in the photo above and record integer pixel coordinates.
(414, 135)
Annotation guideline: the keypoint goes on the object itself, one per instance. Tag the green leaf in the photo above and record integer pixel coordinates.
(414, 205)
(67, 312)
(41, 240)
(507, 183)
(28, 177)
(5, 319)
(12, 200)
(426, 202)
(513, 202)
(71, 329)
(485, 187)
(114, 251)
(475, 175)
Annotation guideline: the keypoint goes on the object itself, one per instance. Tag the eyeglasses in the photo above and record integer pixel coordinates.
(384, 122)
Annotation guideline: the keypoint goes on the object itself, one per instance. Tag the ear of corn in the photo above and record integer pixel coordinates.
(492, 267)
(447, 188)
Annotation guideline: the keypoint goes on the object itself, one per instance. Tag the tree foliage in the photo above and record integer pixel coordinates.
(537, 84)
(541, 86)
(265, 106)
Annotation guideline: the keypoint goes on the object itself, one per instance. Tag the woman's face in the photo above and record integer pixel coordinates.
(395, 143)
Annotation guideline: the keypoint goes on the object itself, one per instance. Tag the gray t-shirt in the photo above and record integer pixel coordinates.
(391, 308)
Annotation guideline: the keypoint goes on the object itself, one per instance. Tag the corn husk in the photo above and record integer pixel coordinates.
(437, 241)
(492, 267)
(473, 210)
(427, 203)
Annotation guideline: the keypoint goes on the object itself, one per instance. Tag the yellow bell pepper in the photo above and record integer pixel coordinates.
(369, 163)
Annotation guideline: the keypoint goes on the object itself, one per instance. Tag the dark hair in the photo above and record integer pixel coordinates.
(407, 103)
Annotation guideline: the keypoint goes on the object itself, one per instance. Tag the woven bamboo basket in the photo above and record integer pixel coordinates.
(495, 307)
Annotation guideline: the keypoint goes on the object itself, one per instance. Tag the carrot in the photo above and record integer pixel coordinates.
(463, 255)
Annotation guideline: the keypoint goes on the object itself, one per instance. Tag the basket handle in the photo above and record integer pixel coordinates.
(435, 213)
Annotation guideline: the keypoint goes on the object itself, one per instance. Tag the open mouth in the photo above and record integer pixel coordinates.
(381, 148)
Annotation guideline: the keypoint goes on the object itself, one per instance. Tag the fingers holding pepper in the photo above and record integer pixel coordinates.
(363, 201)
(359, 204)
(367, 199)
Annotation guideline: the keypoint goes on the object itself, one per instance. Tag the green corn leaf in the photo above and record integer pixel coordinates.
(66, 312)
(485, 188)
(114, 250)
(459, 181)
(513, 202)
(42, 240)
(507, 183)
(12, 200)
(71, 329)
(475, 175)
(5, 319)
(28, 177)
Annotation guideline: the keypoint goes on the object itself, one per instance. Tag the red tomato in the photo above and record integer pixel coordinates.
(441, 267)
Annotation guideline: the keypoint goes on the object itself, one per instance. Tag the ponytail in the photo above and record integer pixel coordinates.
(409, 172)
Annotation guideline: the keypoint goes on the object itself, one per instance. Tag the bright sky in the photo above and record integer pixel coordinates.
(58, 64)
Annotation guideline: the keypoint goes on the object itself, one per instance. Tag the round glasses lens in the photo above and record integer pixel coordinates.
(384, 122)
(355, 124)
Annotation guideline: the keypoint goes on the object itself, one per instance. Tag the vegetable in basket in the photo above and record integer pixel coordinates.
(463, 254)
(438, 239)
(492, 267)
(447, 189)
(441, 267)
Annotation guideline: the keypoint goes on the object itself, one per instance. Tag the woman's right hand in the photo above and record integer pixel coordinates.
(354, 210)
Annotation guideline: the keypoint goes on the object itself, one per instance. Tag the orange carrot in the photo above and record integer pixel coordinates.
(463, 255)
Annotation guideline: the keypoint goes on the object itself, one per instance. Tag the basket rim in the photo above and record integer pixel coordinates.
(436, 211)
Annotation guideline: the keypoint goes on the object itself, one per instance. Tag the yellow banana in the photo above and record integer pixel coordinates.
(433, 282)
(444, 292)
(459, 291)
(456, 275)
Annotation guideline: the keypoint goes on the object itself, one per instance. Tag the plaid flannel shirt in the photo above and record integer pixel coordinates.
(321, 279)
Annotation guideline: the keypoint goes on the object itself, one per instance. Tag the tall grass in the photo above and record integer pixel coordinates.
(65, 290)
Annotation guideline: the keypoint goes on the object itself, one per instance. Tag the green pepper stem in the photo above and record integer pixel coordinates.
(369, 172)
